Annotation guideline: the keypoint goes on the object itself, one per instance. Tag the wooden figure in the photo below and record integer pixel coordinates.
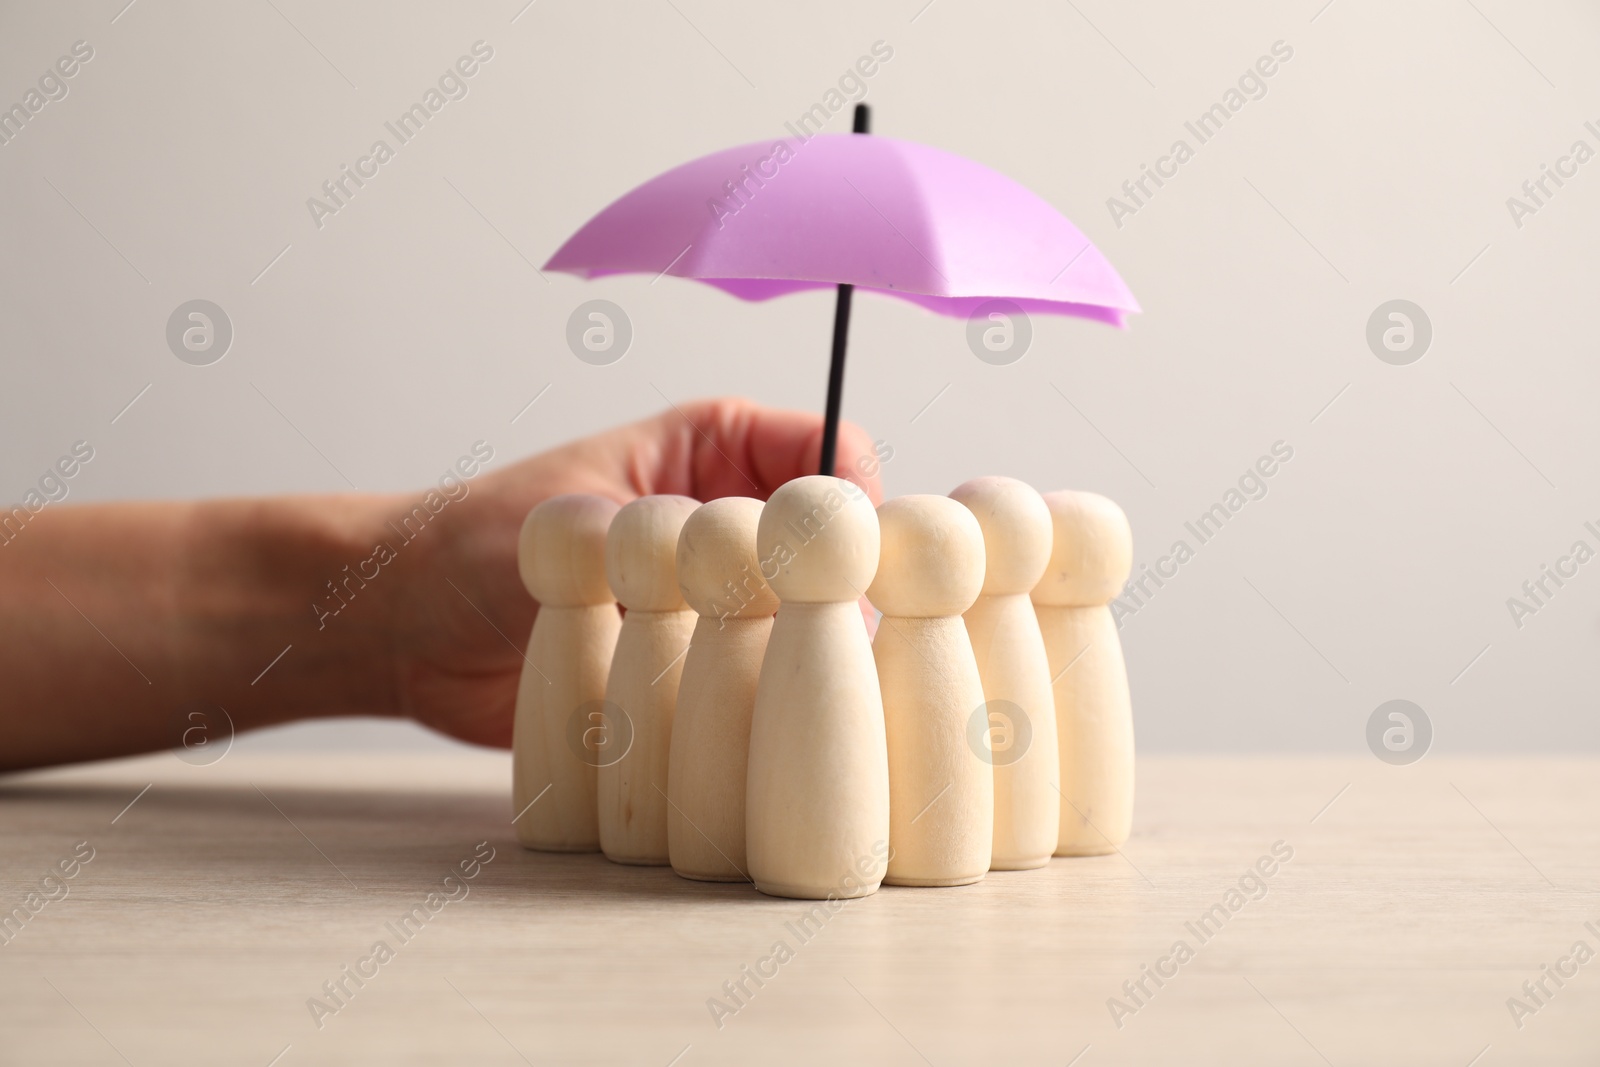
(1090, 560)
(1015, 669)
(817, 803)
(719, 574)
(642, 688)
(561, 558)
(941, 787)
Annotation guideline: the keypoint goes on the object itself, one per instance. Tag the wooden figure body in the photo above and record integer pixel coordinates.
(1015, 670)
(1089, 561)
(561, 558)
(817, 802)
(719, 575)
(642, 688)
(941, 789)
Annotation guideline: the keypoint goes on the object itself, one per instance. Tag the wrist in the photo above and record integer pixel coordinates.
(269, 622)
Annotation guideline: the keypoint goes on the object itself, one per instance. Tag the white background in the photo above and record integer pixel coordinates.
(412, 323)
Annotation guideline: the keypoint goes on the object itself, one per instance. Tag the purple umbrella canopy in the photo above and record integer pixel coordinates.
(895, 217)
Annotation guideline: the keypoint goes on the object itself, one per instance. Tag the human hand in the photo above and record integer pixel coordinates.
(461, 617)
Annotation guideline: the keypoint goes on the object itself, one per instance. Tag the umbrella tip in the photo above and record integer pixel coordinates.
(863, 119)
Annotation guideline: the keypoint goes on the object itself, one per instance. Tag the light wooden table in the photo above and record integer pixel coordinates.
(1417, 901)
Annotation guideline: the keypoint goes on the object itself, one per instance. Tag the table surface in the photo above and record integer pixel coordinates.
(1417, 901)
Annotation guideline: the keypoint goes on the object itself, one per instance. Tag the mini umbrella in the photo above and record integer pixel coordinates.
(892, 216)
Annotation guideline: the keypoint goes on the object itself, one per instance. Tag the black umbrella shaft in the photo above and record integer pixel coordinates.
(841, 334)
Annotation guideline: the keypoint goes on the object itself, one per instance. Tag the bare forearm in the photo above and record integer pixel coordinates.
(117, 620)
(121, 617)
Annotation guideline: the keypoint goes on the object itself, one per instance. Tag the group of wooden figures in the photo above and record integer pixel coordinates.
(738, 723)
